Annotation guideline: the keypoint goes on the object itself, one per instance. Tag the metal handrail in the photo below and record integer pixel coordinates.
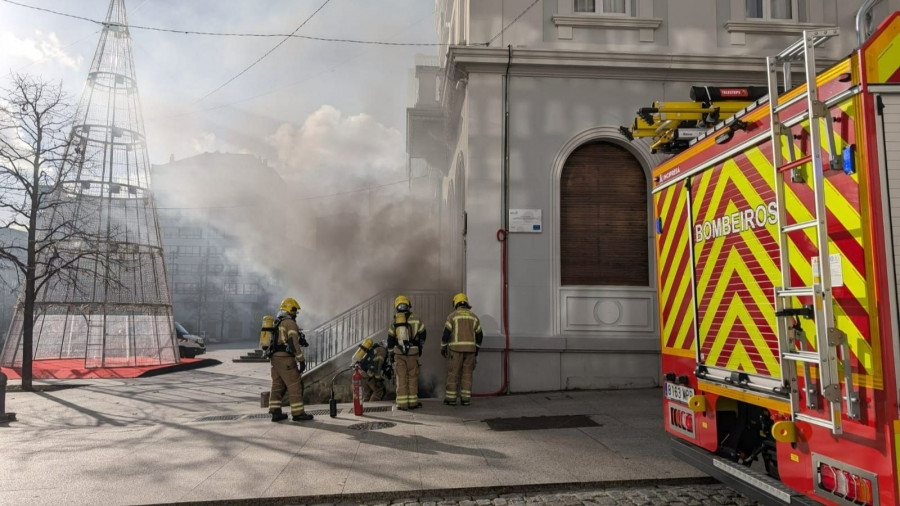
(369, 318)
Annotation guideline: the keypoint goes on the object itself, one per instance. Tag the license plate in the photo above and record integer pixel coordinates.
(678, 393)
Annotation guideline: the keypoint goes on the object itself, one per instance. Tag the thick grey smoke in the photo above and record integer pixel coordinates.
(344, 223)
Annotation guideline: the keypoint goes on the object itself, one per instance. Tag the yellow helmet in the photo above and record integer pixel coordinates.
(290, 305)
(367, 344)
(460, 298)
(401, 300)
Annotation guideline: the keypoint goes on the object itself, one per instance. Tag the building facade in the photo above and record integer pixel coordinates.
(215, 293)
(523, 126)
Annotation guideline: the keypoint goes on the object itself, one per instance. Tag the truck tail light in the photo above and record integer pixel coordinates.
(845, 484)
(681, 420)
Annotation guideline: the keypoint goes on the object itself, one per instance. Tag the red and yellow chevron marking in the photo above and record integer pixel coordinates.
(736, 272)
(854, 310)
(676, 314)
(882, 53)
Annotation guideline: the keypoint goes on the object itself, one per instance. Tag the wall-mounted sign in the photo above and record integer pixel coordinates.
(524, 220)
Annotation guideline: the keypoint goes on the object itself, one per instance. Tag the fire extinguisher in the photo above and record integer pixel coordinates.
(357, 393)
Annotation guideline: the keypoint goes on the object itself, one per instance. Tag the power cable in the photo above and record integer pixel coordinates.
(495, 37)
(270, 51)
(309, 77)
(237, 34)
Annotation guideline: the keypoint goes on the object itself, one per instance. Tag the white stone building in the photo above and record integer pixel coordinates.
(582, 290)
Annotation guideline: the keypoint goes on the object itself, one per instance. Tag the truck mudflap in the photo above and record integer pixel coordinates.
(750, 482)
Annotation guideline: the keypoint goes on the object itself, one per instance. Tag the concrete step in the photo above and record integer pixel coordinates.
(253, 356)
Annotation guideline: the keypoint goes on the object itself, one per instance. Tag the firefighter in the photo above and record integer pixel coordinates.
(459, 345)
(287, 363)
(370, 359)
(406, 336)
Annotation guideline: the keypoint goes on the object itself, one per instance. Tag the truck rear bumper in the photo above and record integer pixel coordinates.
(753, 484)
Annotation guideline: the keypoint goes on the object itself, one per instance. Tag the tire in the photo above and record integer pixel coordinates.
(188, 353)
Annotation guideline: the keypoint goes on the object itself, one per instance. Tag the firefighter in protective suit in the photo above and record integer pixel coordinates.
(370, 359)
(406, 335)
(287, 363)
(459, 345)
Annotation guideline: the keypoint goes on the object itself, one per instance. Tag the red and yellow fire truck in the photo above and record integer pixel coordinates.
(778, 250)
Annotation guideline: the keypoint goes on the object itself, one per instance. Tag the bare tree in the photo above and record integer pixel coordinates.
(38, 195)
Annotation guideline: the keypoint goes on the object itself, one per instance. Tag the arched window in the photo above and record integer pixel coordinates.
(603, 218)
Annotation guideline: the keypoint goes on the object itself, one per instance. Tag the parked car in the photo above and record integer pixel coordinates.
(189, 345)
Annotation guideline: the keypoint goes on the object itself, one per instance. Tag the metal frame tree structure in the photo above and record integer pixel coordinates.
(111, 303)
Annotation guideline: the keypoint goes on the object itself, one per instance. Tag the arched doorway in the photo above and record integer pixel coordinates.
(603, 234)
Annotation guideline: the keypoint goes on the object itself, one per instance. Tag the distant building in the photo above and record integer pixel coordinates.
(214, 293)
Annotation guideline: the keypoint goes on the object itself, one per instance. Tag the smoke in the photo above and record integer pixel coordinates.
(333, 151)
(338, 223)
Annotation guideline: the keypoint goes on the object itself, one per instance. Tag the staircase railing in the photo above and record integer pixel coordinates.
(371, 318)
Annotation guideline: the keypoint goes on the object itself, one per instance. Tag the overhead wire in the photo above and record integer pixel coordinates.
(502, 31)
(235, 34)
(309, 77)
(270, 51)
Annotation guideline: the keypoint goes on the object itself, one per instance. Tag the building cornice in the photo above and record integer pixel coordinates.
(773, 27)
(601, 21)
(538, 62)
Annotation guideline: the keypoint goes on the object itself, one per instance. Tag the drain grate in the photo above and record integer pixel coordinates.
(541, 422)
(218, 418)
(320, 412)
(259, 416)
(372, 426)
(378, 409)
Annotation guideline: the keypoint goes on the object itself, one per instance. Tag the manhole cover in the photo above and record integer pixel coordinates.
(378, 409)
(372, 426)
(541, 422)
(218, 418)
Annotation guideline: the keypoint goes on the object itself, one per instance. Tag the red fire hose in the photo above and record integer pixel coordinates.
(501, 236)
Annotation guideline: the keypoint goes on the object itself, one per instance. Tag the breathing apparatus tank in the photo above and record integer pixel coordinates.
(401, 330)
(267, 333)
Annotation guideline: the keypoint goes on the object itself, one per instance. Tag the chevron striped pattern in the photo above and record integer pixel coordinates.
(734, 232)
(673, 257)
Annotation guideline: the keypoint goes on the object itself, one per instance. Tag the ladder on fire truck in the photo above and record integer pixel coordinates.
(830, 342)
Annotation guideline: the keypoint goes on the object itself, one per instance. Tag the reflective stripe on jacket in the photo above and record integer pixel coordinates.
(289, 337)
(462, 331)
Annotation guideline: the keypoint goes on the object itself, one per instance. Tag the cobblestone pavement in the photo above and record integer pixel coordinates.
(716, 494)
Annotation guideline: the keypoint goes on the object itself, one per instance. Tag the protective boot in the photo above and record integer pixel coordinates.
(464, 403)
(415, 406)
(278, 416)
(302, 417)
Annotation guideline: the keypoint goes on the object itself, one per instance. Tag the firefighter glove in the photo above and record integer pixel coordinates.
(444, 352)
(302, 340)
(301, 365)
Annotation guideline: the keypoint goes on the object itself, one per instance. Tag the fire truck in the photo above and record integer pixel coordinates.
(778, 250)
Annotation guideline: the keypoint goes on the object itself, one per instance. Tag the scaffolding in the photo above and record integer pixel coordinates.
(114, 308)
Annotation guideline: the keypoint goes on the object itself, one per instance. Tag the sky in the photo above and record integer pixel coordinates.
(327, 116)
(339, 90)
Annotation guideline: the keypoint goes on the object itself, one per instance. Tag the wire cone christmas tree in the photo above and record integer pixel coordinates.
(113, 307)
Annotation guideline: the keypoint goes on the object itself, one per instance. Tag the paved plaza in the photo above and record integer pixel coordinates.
(200, 436)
